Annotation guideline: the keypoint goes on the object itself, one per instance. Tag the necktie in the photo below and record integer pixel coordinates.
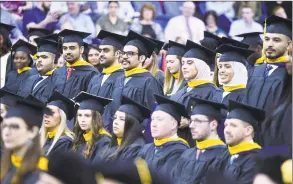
(198, 152)
(69, 72)
(188, 29)
(269, 67)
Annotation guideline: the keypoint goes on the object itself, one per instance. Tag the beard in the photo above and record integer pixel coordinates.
(108, 63)
(278, 54)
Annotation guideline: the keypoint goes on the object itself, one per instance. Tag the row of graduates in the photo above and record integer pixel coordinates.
(169, 159)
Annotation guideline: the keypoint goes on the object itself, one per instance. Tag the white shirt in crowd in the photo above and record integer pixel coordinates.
(241, 27)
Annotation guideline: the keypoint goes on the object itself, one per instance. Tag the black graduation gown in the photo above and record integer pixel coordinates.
(183, 84)
(98, 149)
(164, 157)
(265, 92)
(63, 144)
(242, 168)
(140, 88)
(160, 77)
(29, 178)
(41, 92)
(14, 80)
(189, 170)
(129, 152)
(77, 82)
(107, 88)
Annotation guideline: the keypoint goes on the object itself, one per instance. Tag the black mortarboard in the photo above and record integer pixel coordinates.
(197, 51)
(70, 168)
(52, 37)
(144, 45)
(5, 29)
(64, 103)
(24, 46)
(208, 108)
(73, 36)
(246, 113)
(8, 98)
(232, 53)
(253, 39)
(159, 45)
(31, 111)
(175, 109)
(92, 102)
(176, 49)
(135, 109)
(108, 38)
(229, 41)
(210, 41)
(95, 46)
(45, 45)
(276, 24)
(38, 32)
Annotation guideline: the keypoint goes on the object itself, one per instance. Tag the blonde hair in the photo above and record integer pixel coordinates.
(168, 81)
(62, 128)
(154, 69)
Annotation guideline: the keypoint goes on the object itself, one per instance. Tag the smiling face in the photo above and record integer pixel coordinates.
(225, 73)
(188, 68)
(275, 45)
(173, 63)
(53, 120)
(130, 58)
(84, 118)
(21, 59)
(119, 123)
(94, 57)
(45, 62)
(72, 51)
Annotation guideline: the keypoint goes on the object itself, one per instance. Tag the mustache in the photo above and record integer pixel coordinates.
(124, 60)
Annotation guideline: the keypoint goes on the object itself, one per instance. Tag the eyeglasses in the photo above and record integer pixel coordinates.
(128, 54)
(198, 121)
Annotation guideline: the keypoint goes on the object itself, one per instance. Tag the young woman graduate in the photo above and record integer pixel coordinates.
(174, 80)
(23, 62)
(91, 138)
(22, 159)
(128, 137)
(55, 135)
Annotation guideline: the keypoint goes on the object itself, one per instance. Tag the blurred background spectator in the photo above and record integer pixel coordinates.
(111, 21)
(211, 20)
(183, 26)
(146, 26)
(280, 11)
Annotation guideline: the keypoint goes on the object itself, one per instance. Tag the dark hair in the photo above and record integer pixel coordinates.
(113, 2)
(212, 13)
(132, 131)
(147, 6)
(31, 61)
(6, 43)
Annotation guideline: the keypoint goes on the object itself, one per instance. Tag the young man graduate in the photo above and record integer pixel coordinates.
(138, 83)
(195, 163)
(267, 82)
(76, 75)
(37, 85)
(164, 153)
(241, 126)
(110, 47)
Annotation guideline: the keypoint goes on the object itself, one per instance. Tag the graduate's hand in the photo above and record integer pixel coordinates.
(184, 122)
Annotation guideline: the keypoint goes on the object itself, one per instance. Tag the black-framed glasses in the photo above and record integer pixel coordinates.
(128, 54)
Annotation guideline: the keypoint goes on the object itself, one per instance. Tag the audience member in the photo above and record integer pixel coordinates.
(111, 22)
(280, 11)
(246, 24)
(183, 25)
(222, 8)
(146, 25)
(255, 6)
(211, 20)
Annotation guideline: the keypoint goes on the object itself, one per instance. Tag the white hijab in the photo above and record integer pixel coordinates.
(240, 74)
(203, 70)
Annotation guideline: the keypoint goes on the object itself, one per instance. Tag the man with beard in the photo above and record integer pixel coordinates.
(267, 81)
(110, 46)
(75, 76)
(37, 85)
(138, 83)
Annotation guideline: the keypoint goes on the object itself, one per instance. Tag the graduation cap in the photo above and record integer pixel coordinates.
(108, 38)
(64, 103)
(52, 37)
(73, 36)
(210, 40)
(253, 39)
(31, 111)
(135, 109)
(159, 45)
(208, 108)
(92, 102)
(24, 46)
(233, 53)
(38, 32)
(249, 114)
(144, 45)
(45, 45)
(229, 41)
(5, 29)
(175, 48)
(197, 51)
(8, 98)
(70, 167)
(175, 109)
(276, 24)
